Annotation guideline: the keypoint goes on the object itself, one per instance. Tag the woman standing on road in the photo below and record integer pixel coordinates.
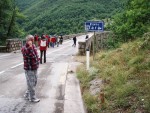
(43, 47)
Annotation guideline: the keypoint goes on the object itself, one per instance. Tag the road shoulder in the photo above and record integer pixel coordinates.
(73, 99)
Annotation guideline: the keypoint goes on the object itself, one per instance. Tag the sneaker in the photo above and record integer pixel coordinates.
(34, 100)
(26, 97)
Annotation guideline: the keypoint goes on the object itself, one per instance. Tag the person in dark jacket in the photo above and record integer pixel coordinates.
(43, 47)
(74, 41)
(61, 39)
(31, 64)
(87, 36)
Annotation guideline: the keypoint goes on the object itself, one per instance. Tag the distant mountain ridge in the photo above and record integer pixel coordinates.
(64, 16)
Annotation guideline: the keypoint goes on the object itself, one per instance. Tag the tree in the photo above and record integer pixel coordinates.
(4, 15)
(134, 21)
(8, 20)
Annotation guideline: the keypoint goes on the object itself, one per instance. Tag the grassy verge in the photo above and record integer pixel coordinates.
(126, 78)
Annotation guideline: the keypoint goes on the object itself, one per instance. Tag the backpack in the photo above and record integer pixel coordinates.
(43, 43)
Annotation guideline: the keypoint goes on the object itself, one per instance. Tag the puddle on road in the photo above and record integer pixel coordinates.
(59, 105)
(61, 92)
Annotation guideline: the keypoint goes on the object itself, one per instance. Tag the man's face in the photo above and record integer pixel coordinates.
(30, 42)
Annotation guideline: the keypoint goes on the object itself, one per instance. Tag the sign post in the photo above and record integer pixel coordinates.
(94, 26)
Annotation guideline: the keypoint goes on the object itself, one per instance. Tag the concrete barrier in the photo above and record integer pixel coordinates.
(11, 45)
(81, 47)
(84, 45)
(99, 42)
(3, 49)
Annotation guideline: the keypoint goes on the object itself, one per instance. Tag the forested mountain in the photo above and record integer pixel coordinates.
(64, 16)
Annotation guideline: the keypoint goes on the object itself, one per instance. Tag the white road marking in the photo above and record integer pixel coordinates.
(16, 65)
(2, 72)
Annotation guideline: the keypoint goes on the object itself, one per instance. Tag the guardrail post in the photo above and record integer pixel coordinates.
(94, 47)
(87, 59)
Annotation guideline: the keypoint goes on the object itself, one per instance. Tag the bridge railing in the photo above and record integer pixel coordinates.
(99, 41)
(11, 45)
(84, 44)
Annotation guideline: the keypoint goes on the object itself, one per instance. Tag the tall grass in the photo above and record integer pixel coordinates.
(126, 72)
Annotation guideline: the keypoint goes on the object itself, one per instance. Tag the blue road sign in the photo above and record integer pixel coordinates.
(94, 26)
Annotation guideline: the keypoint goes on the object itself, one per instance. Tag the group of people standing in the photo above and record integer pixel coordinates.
(46, 41)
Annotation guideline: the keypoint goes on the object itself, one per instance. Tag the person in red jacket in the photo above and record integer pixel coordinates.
(43, 47)
(53, 40)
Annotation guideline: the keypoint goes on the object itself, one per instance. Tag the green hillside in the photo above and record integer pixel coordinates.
(64, 16)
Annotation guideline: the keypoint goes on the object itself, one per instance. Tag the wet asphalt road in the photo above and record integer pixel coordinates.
(58, 90)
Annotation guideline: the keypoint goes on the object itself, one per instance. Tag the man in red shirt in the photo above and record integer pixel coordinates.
(31, 64)
(53, 40)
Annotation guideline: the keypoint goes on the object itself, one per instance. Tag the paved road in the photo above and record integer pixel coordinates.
(58, 90)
